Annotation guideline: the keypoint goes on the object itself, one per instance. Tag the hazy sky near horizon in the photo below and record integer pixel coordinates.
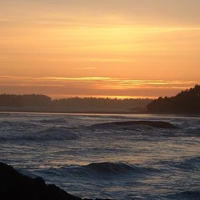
(114, 48)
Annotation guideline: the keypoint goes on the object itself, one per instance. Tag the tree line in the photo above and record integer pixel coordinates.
(37, 100)
(28, 100)
(187, 101)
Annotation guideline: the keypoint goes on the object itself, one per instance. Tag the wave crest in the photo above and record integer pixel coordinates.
(189, 164)
(185, 195)
(133, 124)
(49, 134)
(111, 168)
(56, 134)
(57, 120)
(103, 170)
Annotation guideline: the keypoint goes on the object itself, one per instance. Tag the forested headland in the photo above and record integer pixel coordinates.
(186, 102)
(37, 102)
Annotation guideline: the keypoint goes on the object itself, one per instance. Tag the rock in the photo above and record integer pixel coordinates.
(15, 186)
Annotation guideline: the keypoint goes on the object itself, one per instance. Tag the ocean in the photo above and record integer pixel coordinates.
(89, 156)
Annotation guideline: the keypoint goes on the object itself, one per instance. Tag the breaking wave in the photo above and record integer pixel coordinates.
(134, 124)
(58, 120)
(103, 170)
(186, 195)
(49, 134)
(109, 168)
(114, 168)
(189, 164)
(55, 133)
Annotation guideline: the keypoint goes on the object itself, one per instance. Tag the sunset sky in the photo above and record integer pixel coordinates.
(99, 48)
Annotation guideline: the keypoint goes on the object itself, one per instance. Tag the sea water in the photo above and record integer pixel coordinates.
(89, 156)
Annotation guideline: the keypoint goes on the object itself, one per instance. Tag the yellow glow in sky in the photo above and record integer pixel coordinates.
(99, 48)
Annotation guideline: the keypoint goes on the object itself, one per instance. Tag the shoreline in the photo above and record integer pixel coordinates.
(68, 111)
(87, 111)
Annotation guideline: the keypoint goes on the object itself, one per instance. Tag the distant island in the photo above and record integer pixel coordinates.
(43, 103)
(186, 102)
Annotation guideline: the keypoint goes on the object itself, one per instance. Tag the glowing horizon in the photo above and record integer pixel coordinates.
(111, 48)
(64, 87)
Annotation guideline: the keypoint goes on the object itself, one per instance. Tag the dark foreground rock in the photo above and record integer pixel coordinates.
(16, 186)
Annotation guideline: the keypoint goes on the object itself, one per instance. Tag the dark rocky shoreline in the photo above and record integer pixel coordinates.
(16, 186)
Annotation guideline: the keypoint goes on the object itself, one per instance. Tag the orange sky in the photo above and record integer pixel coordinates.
(107, 48)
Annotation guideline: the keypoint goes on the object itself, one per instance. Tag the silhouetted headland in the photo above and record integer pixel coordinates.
(186, 102)
(16, 186)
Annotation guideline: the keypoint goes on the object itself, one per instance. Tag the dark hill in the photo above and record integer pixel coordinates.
(186, 102)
